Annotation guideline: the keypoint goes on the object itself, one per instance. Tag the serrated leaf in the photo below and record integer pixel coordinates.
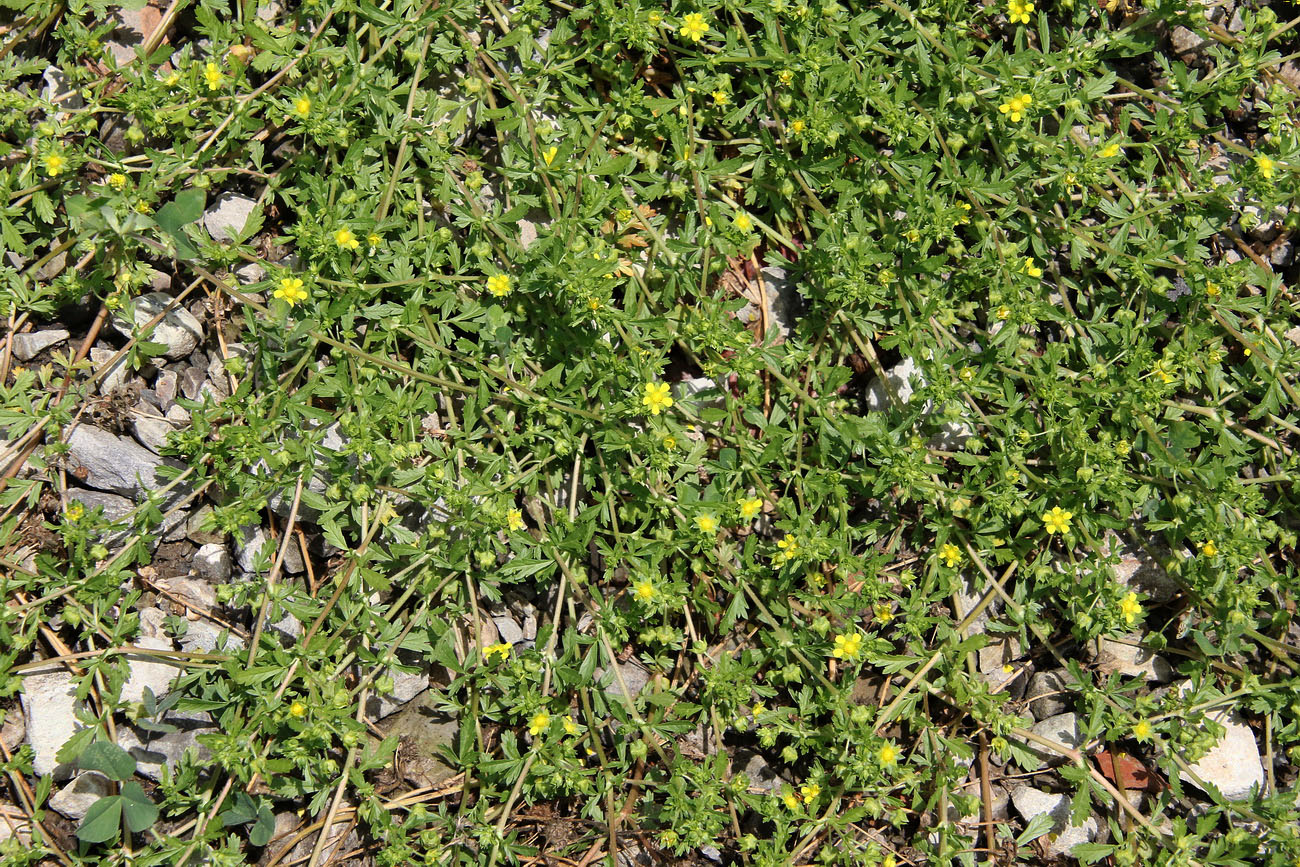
(1037, 827)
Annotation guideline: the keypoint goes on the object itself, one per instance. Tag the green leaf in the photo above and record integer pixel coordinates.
(264, 828)
(139, 811)
(109, 759)
(1037, 827)
(102, 822)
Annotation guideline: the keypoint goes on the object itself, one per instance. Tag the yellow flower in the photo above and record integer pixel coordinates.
(54, 165)
(1031, 269)
(593, 304)
(847, 646)
(797, 127)
(749, 508)
(302, 106)
(117, 181)
(172, 80)
(694, 27)
(212, 75)
(670, 442)
(810, 792)
(549, 154)
(789, 548)
(291, 291)
(344, 238)
(950, 554)
(644, 590)
(706, 523)
(883, 612)
(1209, 549)
(499, 285)
(888, 754)
(502, 650)
(373, 240)
(655, 19)
(1018, 10)
(1057, 520)
(1130, 608)
(744, 223)
(298, 709)
(515, 519)
(540, 722)
(785, 76)
(570, 727)
(758, 709)
(75, 510)
(789, 799)
(1265, 166)
(1015, 107)
(1004, 313)
(1110, 150)
(656, 397)
(1142, 730)
(720, 97)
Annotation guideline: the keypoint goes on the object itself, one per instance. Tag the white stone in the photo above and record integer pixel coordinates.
(904, 379)
(228, 216)
(152, 750)
(1030, 802)
(783, 302)
(49, 701)
(147, 673)
(28, 346)
(178, 329)
(994, 659)
(1129, 658)
(203, 636)
(1233, 765)
(510, 631)
(406, 686)
(76, 798)
(252, 542)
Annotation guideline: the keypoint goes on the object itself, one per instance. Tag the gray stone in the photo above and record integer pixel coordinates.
(134, 26)
(288, 628)
(1281, 254)
(969, 594)
(1062, 729)
(203, 636)
(14, 825)
(165, 387)
(114, 376)
(1129, 658)
(783, 302)
(249, 273)
(147, 672)
(228, 216)
(212, 562)
(904, 380)
(1030, 803)
(194, 528)
(1046, 693)
(111, 463)
(995, 658)
(192, 382)
(406, 686)
(56, 90)
(115, 508)
(196, 594)
(178, 415)
(76, 798)
(49, 701)
(634, 675)
(160, 281)
(1186, 41)
(686, 392)
(761, 776)
(423, 730)
(251, 542)
(179, 330)
(510, 631)
(28, 346)
(153, 750)
(151, 431)
(1139, 571)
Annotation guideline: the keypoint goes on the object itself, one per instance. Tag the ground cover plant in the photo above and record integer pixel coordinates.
(765, 432)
